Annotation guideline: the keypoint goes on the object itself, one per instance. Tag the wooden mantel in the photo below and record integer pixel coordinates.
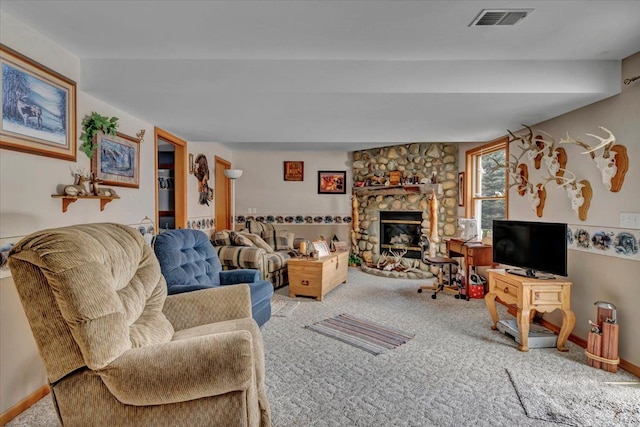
(384, 190)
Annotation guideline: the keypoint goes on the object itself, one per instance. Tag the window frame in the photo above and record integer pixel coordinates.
(471, 176)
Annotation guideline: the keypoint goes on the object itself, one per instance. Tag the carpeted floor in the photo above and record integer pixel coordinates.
(455, 372)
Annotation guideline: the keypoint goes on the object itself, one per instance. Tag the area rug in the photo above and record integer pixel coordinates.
(283, 307)
(576, 400)
(363, 334)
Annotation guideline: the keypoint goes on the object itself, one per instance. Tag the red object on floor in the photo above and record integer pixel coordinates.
(476, 291)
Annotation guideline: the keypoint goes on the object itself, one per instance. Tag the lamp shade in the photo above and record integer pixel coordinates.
(233, 173)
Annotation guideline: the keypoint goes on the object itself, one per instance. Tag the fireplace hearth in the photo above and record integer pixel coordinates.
(399, 231)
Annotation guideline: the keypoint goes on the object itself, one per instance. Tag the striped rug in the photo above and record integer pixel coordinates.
(360, 333)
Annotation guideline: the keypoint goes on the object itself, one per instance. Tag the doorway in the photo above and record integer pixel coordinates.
(223, 195)
(171, 181)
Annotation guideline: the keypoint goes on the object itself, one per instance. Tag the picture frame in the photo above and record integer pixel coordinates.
(38, 108)
(116, 160)
(293, 171)
(461, 187)
(332, 182)
(321, 248)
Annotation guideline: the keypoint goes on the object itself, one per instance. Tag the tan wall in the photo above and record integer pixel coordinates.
(26, 186)
(262, 186)
(598, 277)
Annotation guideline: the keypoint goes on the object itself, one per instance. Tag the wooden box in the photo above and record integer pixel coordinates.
(314, 278)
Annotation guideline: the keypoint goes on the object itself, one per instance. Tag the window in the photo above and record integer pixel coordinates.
(487, 179)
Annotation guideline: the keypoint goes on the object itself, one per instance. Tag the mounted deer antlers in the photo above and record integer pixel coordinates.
(613, 162)
(579, 193)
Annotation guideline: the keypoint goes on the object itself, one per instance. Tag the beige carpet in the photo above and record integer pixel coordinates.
(452, 373)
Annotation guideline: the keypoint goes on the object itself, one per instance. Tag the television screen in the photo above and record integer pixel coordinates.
(533, 246)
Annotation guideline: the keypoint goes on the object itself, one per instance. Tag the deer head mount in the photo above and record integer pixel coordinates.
(579, 193)
(612, 162)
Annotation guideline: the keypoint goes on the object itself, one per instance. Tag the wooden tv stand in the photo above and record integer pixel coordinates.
(531, 295)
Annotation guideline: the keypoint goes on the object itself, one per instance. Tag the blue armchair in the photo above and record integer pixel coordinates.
(189, 262)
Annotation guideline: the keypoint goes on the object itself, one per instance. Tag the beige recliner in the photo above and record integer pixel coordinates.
(119, 352)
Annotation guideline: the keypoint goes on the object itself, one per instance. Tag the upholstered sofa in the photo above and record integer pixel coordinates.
(189, 262)
(258, 246)
(119, 352)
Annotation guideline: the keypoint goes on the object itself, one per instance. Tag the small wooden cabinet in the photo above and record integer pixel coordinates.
(314, 278)
(531, 295)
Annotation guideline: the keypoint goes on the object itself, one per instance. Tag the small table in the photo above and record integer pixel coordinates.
(531, 295)
(316, 277)
(474, 254)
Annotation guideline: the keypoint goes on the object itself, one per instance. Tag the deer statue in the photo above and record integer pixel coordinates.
(613, 162)
(97, 190)
(79, 187)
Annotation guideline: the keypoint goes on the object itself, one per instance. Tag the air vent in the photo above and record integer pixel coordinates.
(489, 17)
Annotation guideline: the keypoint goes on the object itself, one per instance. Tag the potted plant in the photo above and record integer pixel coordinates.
(91, 125)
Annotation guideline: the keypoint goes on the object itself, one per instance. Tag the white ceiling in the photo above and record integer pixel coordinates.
(346, 75)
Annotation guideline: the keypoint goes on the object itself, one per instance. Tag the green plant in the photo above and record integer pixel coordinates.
(92, 124)
(354, 260)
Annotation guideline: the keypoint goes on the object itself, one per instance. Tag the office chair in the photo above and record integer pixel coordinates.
(440, 262)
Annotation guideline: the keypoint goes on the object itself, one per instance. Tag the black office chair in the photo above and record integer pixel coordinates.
(440, 262)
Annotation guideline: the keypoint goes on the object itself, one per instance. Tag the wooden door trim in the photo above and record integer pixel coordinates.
(227, 201)
(180, 175)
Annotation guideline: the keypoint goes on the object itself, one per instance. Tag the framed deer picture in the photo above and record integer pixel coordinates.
(38, 108)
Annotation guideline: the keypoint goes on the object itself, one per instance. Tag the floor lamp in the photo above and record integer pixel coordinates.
(233, 174)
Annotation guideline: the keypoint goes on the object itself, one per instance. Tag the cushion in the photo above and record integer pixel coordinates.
(255, 227)
(188, 260)
(278, 240)
(108, 286)
(257, 241)
(276, 261)
(240, 240)
(222, 238)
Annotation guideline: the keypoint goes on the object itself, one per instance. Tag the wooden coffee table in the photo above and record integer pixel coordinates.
(316, 277)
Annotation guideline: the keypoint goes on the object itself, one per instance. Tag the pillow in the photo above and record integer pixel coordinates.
(279, 240)
(240, 240)
(257, 240)
(222, 238)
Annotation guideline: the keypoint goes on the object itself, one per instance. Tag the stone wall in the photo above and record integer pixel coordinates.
(419, 160)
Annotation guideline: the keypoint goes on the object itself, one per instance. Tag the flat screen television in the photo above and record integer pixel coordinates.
(539, 249)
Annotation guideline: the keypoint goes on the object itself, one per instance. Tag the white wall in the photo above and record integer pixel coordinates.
(262, 187)
(597, 277)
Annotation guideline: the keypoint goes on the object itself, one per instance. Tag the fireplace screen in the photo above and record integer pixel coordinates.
(400, 230)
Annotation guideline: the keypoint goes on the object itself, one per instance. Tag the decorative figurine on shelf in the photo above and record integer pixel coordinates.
(96, 190)
(78, 188)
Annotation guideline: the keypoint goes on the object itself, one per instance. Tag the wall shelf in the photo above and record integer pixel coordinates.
(384, 190)
(67, 200)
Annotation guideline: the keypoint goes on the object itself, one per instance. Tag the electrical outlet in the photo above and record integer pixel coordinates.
(630, 220)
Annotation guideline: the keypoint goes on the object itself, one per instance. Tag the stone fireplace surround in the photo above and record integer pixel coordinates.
(419, 160)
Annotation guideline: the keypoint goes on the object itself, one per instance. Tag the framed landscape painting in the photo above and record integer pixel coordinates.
(38, 108)
(117, 160)
(332, 182)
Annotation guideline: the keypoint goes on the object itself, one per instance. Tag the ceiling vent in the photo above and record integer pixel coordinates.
(489, 17)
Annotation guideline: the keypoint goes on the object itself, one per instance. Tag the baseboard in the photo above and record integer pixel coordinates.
(627, 366)
(24, 405)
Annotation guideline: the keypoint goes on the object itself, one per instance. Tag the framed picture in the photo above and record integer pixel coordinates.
(460, 188)
(117, 160)
(321, 248)
(38, 108)
(332, 182)
(293, 171)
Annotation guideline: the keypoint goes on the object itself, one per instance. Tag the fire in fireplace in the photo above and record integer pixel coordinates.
(400, 230)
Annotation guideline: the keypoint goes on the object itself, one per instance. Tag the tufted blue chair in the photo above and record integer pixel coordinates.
(189, 262)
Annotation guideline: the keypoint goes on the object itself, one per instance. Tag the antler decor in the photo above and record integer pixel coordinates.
(613, 162)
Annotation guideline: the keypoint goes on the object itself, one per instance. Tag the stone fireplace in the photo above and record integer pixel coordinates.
(400, 231)
(376, 196)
